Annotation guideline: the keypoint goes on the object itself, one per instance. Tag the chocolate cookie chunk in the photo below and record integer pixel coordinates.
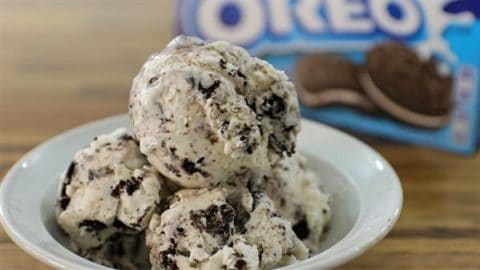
(325, 79)
(406, 86)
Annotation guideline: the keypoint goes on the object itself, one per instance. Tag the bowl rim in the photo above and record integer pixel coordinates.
(60, 262)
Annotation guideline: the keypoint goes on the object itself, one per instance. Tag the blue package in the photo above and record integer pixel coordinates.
(442, 33)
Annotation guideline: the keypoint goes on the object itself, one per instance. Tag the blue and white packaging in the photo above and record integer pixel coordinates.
(285, 31)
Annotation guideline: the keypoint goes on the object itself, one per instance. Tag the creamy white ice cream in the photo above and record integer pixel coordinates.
(109, 188)
(221, 125)
(222, 229)
(208, 113)
(125, 252)
(295, 190)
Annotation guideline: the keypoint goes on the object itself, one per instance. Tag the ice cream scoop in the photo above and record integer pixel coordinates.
(108, 190)
(222, 229)
(207, 113)
(295, 191)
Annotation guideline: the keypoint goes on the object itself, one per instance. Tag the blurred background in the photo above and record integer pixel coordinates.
(73, 61)
(65, 63)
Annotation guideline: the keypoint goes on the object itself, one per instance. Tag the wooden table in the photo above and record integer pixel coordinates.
(64, 63)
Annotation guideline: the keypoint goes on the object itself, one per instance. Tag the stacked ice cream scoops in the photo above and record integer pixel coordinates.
(208, 179)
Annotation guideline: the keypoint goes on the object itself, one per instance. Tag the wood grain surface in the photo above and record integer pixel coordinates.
(64, 63)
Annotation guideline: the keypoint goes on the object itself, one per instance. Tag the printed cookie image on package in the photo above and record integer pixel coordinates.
(401, 69)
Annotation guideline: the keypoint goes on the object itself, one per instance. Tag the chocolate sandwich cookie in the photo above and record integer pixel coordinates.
(325, 79)
(407, 87)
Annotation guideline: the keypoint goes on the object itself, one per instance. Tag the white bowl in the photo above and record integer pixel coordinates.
(366, 194)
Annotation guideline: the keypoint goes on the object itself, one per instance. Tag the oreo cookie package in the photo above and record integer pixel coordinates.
(406, 70)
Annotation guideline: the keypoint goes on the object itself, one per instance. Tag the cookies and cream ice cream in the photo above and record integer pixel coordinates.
(222, 229)
(272, 234)
(207, 112)
(208, 179)
(294, 189)
(120, 251)
(108, 188)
